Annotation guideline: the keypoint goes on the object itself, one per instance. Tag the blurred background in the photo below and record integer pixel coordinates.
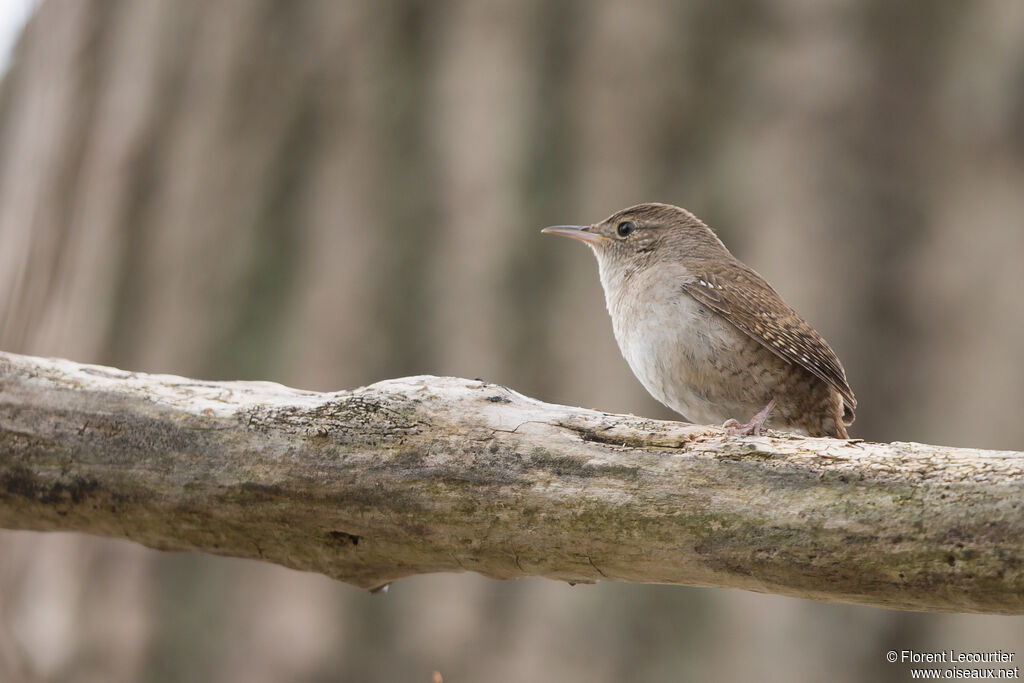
(326, 194)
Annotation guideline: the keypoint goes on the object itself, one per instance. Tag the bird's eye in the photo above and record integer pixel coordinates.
(625, 228)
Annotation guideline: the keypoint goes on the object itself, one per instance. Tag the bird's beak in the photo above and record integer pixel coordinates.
(577, 232)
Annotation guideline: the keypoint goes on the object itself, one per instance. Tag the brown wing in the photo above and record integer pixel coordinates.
(747, 301)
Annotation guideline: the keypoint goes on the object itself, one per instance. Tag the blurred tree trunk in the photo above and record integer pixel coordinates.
(216, 189)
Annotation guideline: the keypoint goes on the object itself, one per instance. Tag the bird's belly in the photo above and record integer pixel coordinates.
(688, 358)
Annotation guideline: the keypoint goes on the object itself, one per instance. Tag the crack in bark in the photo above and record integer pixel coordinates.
(515, 555)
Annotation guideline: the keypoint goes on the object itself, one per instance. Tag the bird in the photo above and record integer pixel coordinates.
(705, 334)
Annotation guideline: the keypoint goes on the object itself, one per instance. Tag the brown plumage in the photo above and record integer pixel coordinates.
(705, 334)
(746, 300)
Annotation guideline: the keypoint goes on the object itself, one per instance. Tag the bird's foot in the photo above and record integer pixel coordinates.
(752, 428)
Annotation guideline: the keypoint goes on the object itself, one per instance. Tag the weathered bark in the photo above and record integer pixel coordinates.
(429, 474)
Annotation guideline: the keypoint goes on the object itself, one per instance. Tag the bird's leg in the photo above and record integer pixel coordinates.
(752, 428)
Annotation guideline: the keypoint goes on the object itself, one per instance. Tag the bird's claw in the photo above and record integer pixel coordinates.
(734, 428)
(753, 428)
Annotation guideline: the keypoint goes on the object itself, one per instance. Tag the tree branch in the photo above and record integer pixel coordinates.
(429, 474)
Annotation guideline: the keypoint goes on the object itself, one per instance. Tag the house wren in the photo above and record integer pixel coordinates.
(705, 334)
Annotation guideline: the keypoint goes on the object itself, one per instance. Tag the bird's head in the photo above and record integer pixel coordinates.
(643, 235)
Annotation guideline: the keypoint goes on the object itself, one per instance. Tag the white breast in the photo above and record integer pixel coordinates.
(673, 344)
